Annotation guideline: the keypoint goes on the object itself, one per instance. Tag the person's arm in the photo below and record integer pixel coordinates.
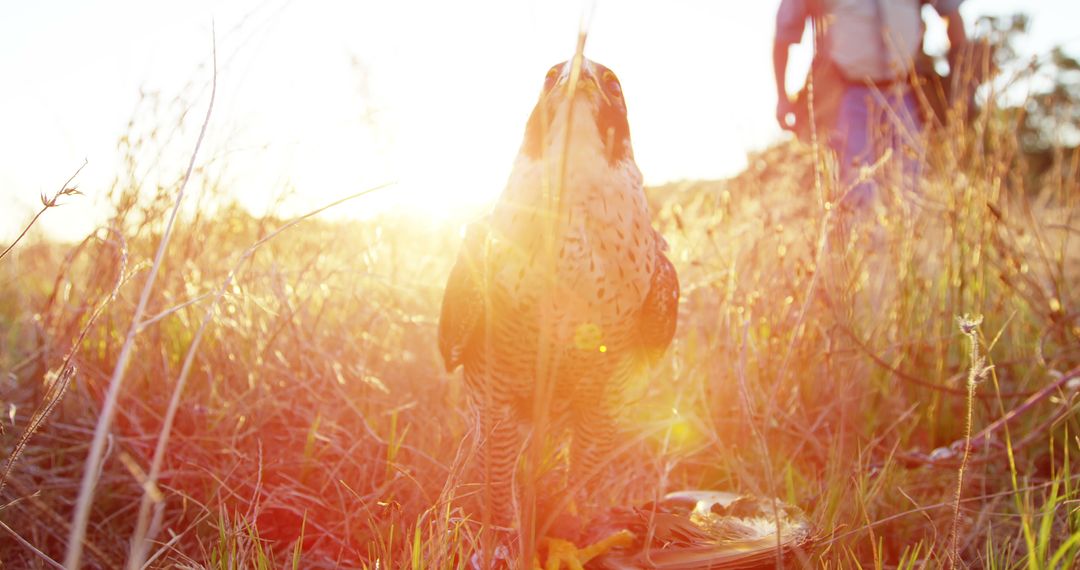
(958, 39)
(949, 10)
(790, 23)
(784, 105)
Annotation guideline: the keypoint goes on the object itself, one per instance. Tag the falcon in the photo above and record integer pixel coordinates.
(562, 297)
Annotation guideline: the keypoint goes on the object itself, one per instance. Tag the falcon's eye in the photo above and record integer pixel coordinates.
(549, 81)
(611, 84)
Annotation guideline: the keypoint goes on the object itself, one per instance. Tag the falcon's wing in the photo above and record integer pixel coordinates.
(660, 311)
(463, 300)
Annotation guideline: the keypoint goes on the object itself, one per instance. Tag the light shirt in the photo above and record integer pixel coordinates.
(852, 37)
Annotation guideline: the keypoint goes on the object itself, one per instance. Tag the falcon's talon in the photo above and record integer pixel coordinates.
(562, 552)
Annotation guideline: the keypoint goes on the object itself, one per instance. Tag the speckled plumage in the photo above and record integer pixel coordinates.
(606, 290)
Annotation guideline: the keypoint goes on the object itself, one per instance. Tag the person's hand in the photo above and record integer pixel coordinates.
(785, 113)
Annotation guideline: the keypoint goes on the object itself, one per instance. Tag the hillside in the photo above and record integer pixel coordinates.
(817, 359)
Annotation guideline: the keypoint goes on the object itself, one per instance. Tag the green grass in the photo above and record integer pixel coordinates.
(318, 428)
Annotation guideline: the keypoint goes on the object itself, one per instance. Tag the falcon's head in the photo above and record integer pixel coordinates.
(590, 106)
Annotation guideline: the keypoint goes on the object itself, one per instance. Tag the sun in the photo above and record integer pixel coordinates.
(437, 184)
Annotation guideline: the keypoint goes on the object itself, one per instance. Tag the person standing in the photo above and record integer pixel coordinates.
(863, 104)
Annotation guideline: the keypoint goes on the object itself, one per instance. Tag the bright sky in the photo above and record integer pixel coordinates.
(335, 97)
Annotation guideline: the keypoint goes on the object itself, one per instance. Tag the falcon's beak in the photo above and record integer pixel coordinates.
(587, 83)
(590, 84)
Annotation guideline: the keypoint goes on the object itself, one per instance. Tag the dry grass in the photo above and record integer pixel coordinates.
(317, 427)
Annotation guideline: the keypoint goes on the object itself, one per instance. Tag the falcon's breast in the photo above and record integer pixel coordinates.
(570, 234)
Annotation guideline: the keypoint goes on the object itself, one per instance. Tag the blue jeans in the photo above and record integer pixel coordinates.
(871, 121)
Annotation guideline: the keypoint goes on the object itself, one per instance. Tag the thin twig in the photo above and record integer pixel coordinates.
(145, 530)
(171, 311)
(67, 370)
(46, 203)
(44, 557)
(977, 372)
(97, 447)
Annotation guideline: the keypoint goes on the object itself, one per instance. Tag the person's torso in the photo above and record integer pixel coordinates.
(873, 39)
